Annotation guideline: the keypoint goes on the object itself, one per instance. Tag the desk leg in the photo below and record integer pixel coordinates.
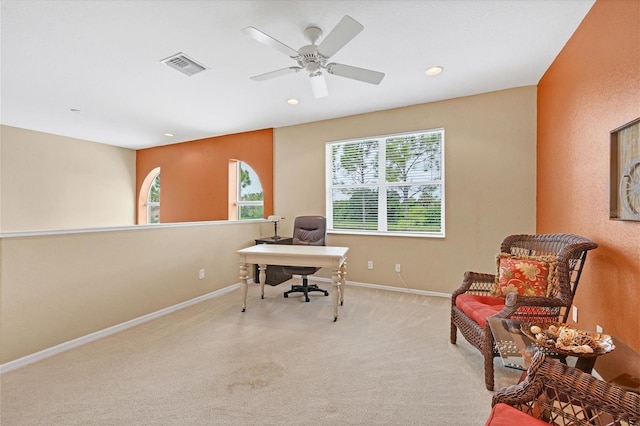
(263, 278)
(335, 294)
(244, 274)
(343, 280)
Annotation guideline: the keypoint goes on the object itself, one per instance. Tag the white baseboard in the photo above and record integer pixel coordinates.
(49, 352)
(399, 289)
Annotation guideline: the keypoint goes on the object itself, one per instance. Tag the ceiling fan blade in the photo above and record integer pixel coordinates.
(319, 85)
(361, 74)
(263, 38)
(276, 73)
(342, 34)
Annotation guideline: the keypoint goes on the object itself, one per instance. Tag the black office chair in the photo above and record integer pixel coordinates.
(311, 231)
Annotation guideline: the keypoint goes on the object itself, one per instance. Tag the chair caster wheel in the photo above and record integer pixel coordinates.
(286, 296)
(306, 299)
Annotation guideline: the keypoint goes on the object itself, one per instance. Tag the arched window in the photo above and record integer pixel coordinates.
(149, 198)
(246, 200)
(153, 201)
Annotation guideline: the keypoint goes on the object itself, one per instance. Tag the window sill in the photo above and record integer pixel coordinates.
(386, 234)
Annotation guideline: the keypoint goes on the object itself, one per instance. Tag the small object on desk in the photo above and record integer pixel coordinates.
(275, 219)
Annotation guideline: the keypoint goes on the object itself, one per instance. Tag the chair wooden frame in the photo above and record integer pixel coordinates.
(570, 251)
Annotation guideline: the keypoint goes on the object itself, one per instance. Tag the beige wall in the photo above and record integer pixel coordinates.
(0, 183)
(56, 288)
(490, 185)
(54, 182)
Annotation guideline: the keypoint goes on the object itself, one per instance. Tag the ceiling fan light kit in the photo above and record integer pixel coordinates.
(319, 85)
(313, 57)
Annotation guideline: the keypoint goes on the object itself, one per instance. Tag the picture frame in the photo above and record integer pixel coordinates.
(625, 172)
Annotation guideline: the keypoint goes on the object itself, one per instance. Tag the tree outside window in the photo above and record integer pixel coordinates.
(153, 201)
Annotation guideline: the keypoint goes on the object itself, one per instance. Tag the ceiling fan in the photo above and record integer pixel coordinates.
(313, 57)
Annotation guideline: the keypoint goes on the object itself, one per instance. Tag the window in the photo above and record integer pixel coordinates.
(153, 201)
(149, 198)
(249, 200)
(392, 185)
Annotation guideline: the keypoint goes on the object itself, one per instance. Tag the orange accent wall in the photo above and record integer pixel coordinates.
(195, 175)
(593, 87)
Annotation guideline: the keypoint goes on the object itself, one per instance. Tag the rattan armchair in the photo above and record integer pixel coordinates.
(570, 252)
(562, 395)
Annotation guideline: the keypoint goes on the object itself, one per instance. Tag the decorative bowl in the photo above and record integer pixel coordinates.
(566, 340)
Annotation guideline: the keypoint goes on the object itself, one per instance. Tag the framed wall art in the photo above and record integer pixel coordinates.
(625, 172)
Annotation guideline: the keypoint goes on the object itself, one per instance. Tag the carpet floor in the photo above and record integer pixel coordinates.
(386, 361)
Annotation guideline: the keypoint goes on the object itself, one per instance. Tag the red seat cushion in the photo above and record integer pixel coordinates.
(506, 415)
(479, 308)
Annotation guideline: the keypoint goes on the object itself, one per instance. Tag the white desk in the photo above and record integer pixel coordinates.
(295, 255)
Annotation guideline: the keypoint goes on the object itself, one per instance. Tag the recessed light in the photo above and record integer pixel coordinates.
(169, 135)
(293, 101)
(434, 70)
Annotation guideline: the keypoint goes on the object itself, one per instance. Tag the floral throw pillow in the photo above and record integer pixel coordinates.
(525, 275)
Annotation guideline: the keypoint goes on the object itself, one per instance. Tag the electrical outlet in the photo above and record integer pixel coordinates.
(201, 274)
(370, 264)
(574, 314)
(598, 329)
(397, 267)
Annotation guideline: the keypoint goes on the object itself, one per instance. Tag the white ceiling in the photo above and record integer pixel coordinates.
(103, 58)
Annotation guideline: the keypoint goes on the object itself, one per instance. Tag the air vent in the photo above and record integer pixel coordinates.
(184, 64)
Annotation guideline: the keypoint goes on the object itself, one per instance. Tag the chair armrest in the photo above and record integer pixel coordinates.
(475, 282)
(515, 300)
(549, 382)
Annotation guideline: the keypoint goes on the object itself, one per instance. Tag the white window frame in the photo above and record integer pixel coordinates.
(382, 186)
(241, 203)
